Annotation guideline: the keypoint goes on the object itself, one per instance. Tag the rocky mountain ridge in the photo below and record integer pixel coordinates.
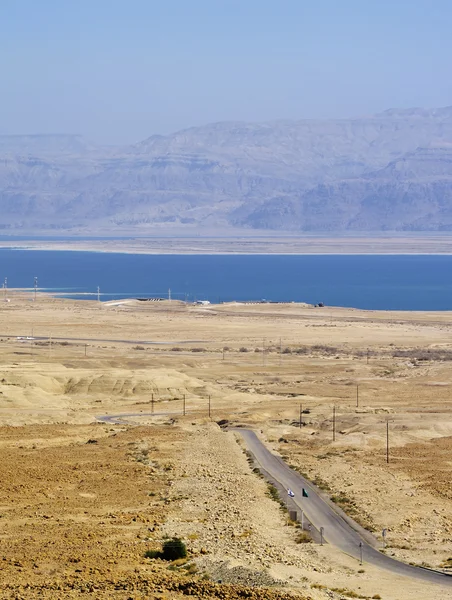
(391, 171)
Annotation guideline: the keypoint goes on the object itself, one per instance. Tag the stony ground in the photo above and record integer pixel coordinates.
(81, 503)
(223, 511)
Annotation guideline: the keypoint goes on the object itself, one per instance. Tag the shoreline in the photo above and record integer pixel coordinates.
(245, 247)
(219, 253)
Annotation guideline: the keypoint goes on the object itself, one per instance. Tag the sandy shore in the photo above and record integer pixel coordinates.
(305, 244)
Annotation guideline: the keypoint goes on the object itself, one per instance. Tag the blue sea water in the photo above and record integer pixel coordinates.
(397, 282)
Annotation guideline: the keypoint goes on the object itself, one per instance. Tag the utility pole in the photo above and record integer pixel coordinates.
(85, 348)
(357, 395)
(334, 423)
(360, 553)
(387, 440)
(280, 351)
(184, 405)
(98, 293)
(36, 288)
(367, 362)
(209, 406)
(223, 352)
(263, 352)
(301, 416)
(152, 403)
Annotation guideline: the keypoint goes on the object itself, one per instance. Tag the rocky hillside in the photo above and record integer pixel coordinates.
(391, 171)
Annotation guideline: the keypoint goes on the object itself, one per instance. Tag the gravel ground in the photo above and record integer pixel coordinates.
(235, 529)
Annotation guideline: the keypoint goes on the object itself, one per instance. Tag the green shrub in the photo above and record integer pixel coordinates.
(174, 549)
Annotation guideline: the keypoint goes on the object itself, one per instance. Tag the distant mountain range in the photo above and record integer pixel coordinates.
(387, 172)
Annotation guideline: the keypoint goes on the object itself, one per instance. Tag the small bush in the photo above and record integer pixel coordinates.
(302, 350)
(273, 492)
(138, 347)
(174, 549)
(243, 349)
(325, 349)
(176, 349)
(321, 483)
(303, 538)
(191, 569)
(198, 349)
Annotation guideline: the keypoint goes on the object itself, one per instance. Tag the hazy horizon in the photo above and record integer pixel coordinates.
(117, 73)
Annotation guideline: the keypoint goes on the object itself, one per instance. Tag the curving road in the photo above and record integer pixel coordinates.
(337, 531)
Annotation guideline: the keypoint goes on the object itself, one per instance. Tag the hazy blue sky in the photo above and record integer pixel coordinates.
(121, 70)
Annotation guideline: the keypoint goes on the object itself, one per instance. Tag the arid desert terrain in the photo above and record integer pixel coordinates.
(110, 443)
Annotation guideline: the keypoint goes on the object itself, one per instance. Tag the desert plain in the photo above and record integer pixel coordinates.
(116, 434)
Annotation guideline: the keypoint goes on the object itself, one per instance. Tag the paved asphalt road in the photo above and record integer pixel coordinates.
(336, 530)
(73, 339)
